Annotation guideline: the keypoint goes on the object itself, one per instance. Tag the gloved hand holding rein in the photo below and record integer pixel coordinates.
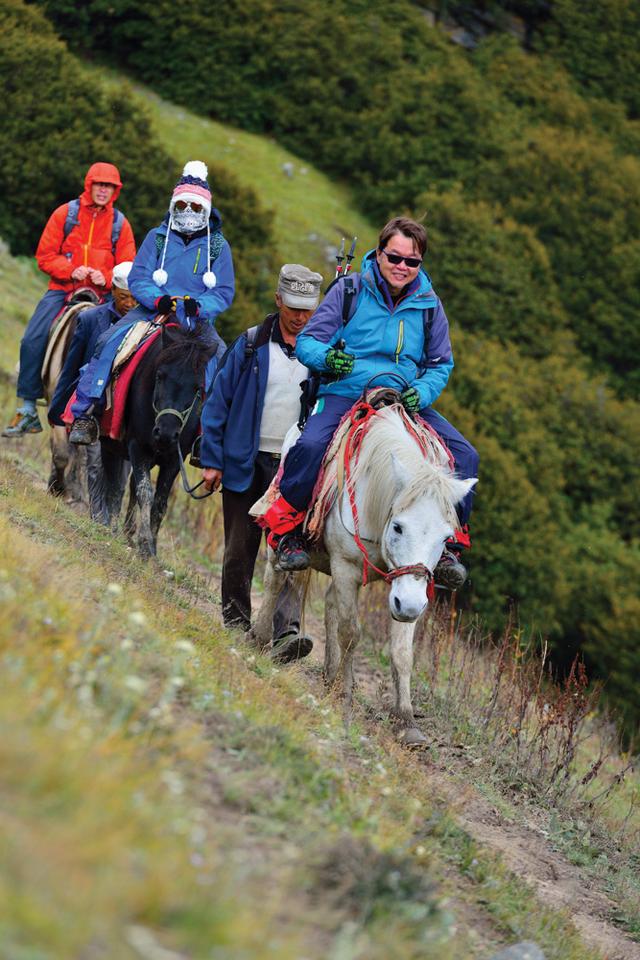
(339, 362)
(165, 304)
(410, 400)
(191, 307)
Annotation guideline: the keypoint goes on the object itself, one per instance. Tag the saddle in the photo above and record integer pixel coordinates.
(112, 420)
(331, 478)
(58, 334)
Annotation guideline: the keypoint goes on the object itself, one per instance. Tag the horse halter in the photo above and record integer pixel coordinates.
(182, 416)
(360, 415)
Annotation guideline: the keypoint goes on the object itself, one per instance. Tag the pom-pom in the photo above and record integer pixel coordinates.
(209, 279)
(195, 168)
(160, 277)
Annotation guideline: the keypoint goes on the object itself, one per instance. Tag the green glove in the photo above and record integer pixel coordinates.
(339, 362)
(410, 400)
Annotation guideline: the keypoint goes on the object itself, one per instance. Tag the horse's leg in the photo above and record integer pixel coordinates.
(110, 468)
(96, 485)
(332, 647)
(345, 584)
(76, 474)
(166, 475)
(401, 649)
(141, 467)
(261, 632)
(132, 506)
(59, 459)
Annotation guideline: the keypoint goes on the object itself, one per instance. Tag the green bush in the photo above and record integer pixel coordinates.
(50, 139)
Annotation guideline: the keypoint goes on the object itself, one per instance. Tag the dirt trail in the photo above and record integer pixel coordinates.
(523, 846)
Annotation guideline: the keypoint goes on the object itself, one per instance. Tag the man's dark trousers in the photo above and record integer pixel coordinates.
(242, 537)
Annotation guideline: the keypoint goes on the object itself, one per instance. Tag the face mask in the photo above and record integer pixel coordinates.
(188, 221)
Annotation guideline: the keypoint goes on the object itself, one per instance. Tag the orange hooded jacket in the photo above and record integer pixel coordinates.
(89, 243)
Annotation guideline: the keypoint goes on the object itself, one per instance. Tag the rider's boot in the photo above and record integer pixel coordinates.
(85, 431)
(285, 536)
(26, 420)
(450, 572)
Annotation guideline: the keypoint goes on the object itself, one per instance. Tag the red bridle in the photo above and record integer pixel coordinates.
(360, 417)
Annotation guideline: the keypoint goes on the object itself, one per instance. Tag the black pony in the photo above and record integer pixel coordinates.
(162, 411)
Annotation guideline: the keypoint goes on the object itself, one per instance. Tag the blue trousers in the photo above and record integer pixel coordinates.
(33, 345)
(303, 461)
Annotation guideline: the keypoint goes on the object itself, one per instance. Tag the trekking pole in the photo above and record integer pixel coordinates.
(339, 259)
(350, 256)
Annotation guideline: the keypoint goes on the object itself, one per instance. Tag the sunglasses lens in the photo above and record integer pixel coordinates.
(181, 205)
(396, 258)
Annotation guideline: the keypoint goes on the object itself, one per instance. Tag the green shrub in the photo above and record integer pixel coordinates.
(50, 140)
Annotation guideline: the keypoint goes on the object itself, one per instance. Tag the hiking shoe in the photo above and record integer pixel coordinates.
(84, 431)
(289, 647)
(23, 423)
(291, 553)
(449, 571)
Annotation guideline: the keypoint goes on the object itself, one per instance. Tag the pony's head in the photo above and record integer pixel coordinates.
(421, 521)
(409, 507)
(179, 381)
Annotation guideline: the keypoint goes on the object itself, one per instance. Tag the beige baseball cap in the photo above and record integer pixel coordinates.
(299, 287)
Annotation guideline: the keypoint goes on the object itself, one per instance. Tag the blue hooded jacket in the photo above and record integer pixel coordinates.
(185, 264)
(386, 339)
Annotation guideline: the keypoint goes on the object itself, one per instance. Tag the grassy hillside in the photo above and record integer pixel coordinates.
(311, 212)
(166, 789)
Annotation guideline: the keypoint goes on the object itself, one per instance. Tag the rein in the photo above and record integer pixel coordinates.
(183, 417)
(360, 418)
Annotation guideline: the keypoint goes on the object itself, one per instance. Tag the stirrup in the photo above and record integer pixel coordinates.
(291, 553)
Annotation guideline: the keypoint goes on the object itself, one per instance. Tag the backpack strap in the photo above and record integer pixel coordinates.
(73, 219)
(250, 345)
(116, 229)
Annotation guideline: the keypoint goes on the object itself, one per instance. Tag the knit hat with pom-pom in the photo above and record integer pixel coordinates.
(193, 185)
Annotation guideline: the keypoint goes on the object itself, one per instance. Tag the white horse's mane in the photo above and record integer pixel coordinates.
(388, 440)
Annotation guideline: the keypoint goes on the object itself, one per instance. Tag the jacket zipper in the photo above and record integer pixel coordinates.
(195, 268)
(400, 339)
(88, 243)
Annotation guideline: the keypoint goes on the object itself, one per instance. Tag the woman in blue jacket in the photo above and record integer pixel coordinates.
(184, 268)
(386, 335)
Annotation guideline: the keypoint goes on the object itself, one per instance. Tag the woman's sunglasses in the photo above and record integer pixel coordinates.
(396, 258)
(181, 205)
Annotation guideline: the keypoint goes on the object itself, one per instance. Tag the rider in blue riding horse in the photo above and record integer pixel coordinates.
(183, 269)
(387, 334)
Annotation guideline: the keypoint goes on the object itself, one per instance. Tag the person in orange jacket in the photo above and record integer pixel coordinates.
(79, 247)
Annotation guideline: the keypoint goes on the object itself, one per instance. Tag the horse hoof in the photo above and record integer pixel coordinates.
(412, 737)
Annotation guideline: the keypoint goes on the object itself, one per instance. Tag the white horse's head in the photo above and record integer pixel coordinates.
(421, 521)
(409, 499)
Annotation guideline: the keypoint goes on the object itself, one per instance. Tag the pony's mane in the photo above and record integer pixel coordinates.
(187, 348)
(389, 439)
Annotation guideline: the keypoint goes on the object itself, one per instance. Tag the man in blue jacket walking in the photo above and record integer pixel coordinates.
(387, 334)
(184, 269)
(254, 401)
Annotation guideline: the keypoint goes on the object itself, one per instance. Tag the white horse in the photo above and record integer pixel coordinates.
(400, 503)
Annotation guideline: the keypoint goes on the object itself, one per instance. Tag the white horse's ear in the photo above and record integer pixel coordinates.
(460, 488)
(400, 473)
